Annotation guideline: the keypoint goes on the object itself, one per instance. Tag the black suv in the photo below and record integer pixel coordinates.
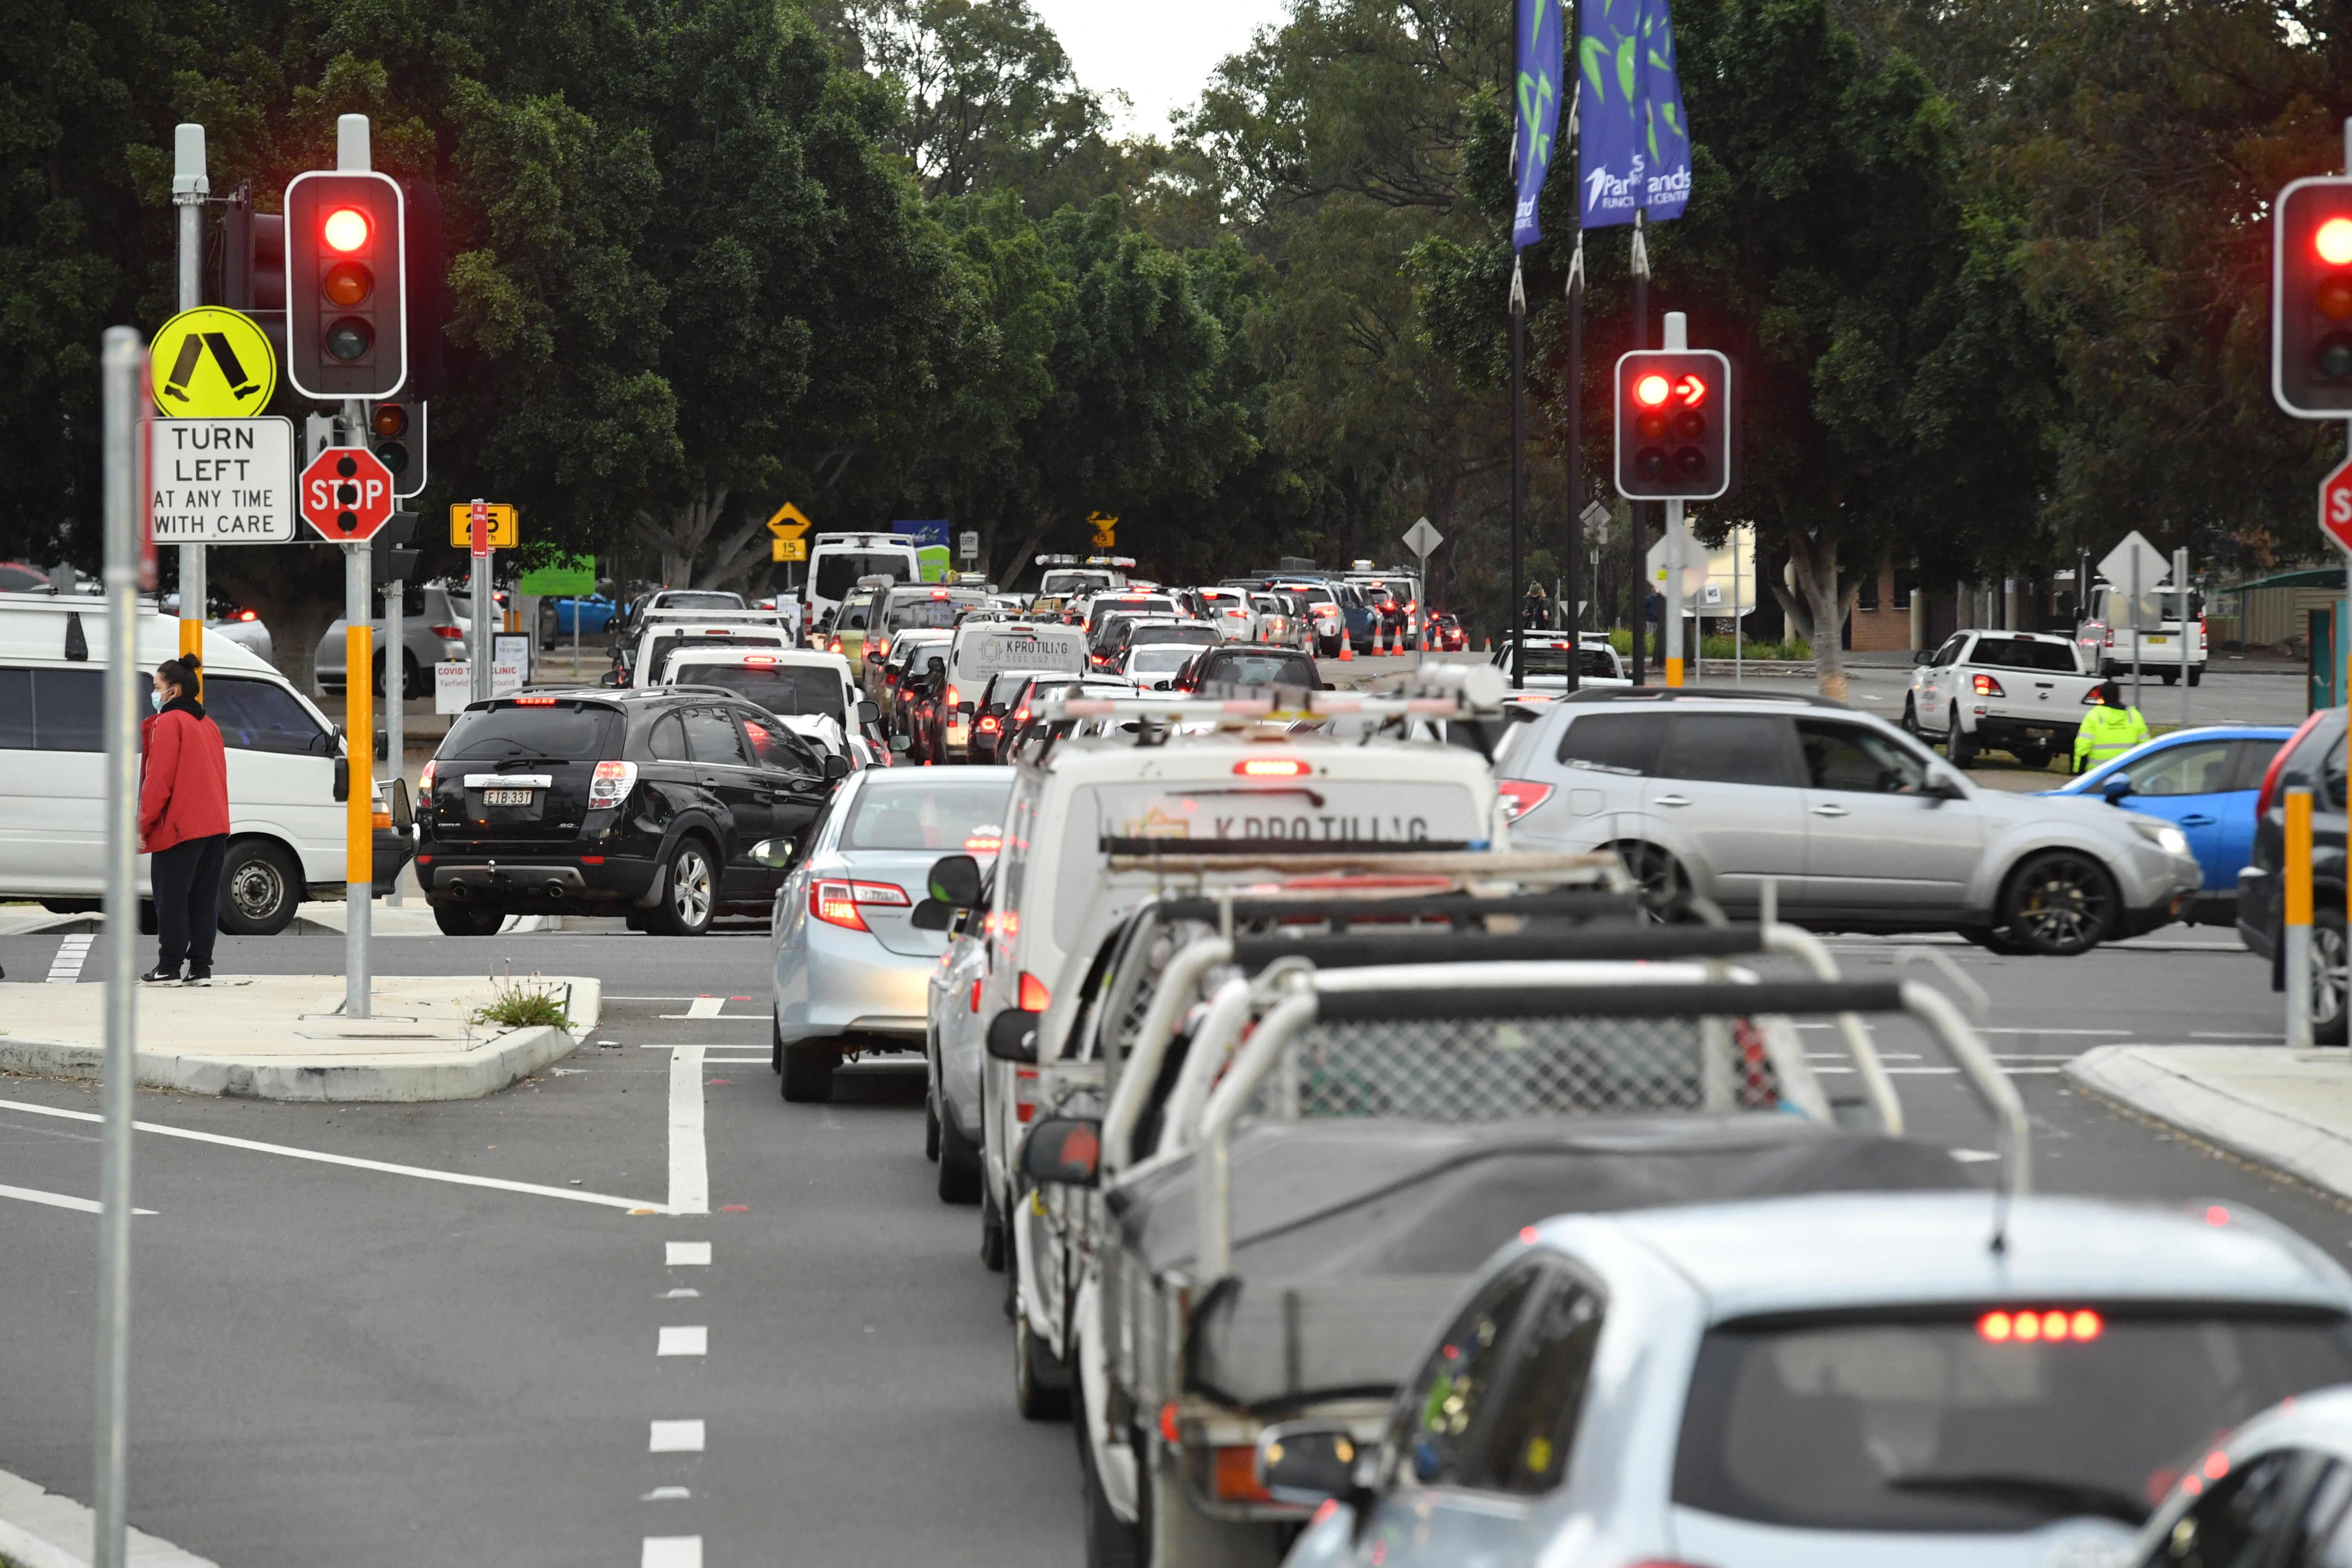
(647, 804)
(1248, 664)
(2312, 760)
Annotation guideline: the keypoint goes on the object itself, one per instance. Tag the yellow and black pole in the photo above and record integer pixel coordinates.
(2296, 936)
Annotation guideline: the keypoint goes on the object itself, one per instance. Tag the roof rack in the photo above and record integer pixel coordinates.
(1437, 691)
(1697, 693)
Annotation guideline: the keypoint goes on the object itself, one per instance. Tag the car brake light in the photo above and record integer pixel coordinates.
(248, 615)
(1022, 717)
(1521, 796)
(424, 775)
(2111, 637)
(1024, 1094)
(610, 784)
(758, 658)
(881, 649)
(2271, 777)
(939, 593)
(989, 725)
(834, 646)
(1270, 768)
(446, 633)
(1033, 998)
(2032, 1324)
(1986, 686)
(975, 996)
(837, 902)
(534, 702)
(954, 698)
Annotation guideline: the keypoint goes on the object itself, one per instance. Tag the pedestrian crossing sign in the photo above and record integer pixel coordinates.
(212, 363)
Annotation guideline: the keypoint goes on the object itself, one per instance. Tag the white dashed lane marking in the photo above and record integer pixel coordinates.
(65, 969)
(690, 1166)
(672, 1551)
(687, 1254)
(675, 1438)
(685, 1340)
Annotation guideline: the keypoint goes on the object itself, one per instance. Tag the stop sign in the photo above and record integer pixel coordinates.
(2335, 506)
(346, 495)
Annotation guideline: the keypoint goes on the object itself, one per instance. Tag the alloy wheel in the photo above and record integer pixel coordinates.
(2328, 979)
(2063, 904)
(1656, 878)
(689, 888)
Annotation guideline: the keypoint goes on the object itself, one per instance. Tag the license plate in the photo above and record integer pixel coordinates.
(506, 797)
(2040, 734)
(959, 734)
(2159, 640)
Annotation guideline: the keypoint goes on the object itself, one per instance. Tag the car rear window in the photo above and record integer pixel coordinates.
(1194, 636)
(1613, 742)
(1553, 662)
(946, 816)
(558, 731)
(931, 614)
(837, 573)
(1161, 658)
(664, 647)
(691, 601)
(810, 689)
(1965, 1424)
(1256, 668)
(2025, 653)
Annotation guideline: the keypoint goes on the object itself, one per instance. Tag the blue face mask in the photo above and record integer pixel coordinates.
(155, 701)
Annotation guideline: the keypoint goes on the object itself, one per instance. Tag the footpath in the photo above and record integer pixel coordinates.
(2288, 1110)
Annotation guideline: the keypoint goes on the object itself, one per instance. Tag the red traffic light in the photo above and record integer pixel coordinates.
(346, 230)
(1690, 390)
(1651, 391)
(1674, 429)
(2333, 241)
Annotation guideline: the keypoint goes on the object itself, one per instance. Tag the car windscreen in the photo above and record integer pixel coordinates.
(1062, 584)
(559, 731)
(1161, 658)
(837, 573)
(662, 647)
(945, 815)
(929, 614)
(1235, 667)
(699, 600)
(814, 690)
(1192, 636)
(2003, 1418)
(1553, 662)
(2025, 653)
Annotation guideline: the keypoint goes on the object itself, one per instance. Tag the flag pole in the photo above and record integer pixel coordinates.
(1518, 468)
(1637, 537)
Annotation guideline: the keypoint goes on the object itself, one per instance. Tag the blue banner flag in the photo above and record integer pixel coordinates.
(1633, 141)
(1542, 68)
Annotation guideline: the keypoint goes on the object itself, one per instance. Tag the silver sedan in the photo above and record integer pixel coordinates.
(851, 966)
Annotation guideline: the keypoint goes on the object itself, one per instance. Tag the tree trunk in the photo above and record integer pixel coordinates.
(296, 589)
(1006, 572)
(683, 538)
(1827, 604)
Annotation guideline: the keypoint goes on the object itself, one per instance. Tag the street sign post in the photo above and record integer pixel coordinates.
(346, 495)
(505, 526)
(222, 482)
(1421, 539)
(790, 526)
(2139, 565)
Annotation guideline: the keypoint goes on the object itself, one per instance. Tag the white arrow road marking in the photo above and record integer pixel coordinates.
(458, 1179)
(60, 1200)
(689, 1164)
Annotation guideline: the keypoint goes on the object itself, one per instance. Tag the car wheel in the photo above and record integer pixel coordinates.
(930, 1130)
(1036, 1398)
(959, 1173)
(1910, 715)
(2196, 675)
(2329, 981)
(689, 891)
(260, 888)
(1994, 940)
(413, 682)
(1658, 877)
(1112, 1542)
(808, 1071)
(1958, 745)
(468, 919)
(2059, 904)
(775, 1046)
(991, 1235)
(2169, 677)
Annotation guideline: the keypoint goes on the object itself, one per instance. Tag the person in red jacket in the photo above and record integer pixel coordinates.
(184, 823)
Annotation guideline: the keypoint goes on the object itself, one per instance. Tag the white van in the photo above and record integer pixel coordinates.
(286, 813)
(838, 561)
(984, 649)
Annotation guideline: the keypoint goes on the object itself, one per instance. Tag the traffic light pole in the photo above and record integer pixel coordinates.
(190, 185)
(1677, 337)
(359, 741)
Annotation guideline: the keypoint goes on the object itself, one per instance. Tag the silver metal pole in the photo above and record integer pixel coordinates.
(2139, 627)
(2180, 587)
(190, 185)
(395, 694)
(1675, 675)
(121, 360)
(485, 606)
(1738, 668)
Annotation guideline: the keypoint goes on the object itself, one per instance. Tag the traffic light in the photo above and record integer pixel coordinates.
(346, 285)
(396, 430)
(1673, 424)
(395, 561)
(2311, 298)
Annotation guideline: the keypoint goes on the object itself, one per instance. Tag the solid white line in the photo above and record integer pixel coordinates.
(689, 1164)
(735, 1062)
(686, 1254)
(458, 1178)
(60, 1200)
(672, 1551)
(678, 1339)
(675, 1437)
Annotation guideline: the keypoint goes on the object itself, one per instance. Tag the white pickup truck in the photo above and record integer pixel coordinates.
(2020, 691)
(2107, 647)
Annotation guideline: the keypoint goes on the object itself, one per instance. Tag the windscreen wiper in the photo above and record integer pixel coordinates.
(2060, 1497)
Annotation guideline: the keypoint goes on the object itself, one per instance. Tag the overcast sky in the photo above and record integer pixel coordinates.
(1159, 55)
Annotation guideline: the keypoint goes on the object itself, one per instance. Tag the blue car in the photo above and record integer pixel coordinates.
(2204, 782)
(595, 615)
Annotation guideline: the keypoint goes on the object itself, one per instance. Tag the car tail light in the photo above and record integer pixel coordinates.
(381, 817)
(758, 658)
(1521, 796)
(2092, 698)
(954, 697)
(878, 649)
(610, 784)
(534, 702)
(834, 646)
(837, 902)
(1024, 1094)
(1236, 1475)
(1035, 998)
(989, 725)
(2271, 778)
(2111, 637)
(425, 776)
(1021, 717)
(446, 633)
(1986, 686)
(248, 615)
(1270, 768)
(975, 996)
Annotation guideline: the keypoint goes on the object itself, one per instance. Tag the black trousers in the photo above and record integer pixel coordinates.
(188, 900)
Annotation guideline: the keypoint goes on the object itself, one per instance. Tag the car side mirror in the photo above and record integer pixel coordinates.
(1305, 1462)
(837, 768)
(1923, 655)
(1944, 784)
(342, 778)
(955, 881)
(2114, 786)
(868, 712)
(404, 814)
(930, 915)
(610, 678)
(1012, 1036)
(774, 853)
(1065, 1151)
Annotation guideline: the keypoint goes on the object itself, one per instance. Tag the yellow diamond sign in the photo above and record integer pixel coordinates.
(790, 523)
(211, 363)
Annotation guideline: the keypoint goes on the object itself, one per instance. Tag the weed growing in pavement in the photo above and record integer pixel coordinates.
(523, 1006)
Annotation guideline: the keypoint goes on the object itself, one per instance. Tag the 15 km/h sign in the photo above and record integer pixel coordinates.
(211, 363)
(223, 481)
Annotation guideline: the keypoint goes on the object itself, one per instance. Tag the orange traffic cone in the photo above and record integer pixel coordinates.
(1346, 646)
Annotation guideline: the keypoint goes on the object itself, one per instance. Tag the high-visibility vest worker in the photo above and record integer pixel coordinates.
(2108, 730)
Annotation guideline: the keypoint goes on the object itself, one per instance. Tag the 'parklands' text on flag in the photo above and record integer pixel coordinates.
(1542, 65)
(1633, 142)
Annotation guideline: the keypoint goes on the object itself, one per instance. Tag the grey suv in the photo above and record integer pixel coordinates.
(1855, 825)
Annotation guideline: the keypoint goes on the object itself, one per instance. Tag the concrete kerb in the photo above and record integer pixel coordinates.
(2290, 1112)
(510, 1056)
(40, 1529)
